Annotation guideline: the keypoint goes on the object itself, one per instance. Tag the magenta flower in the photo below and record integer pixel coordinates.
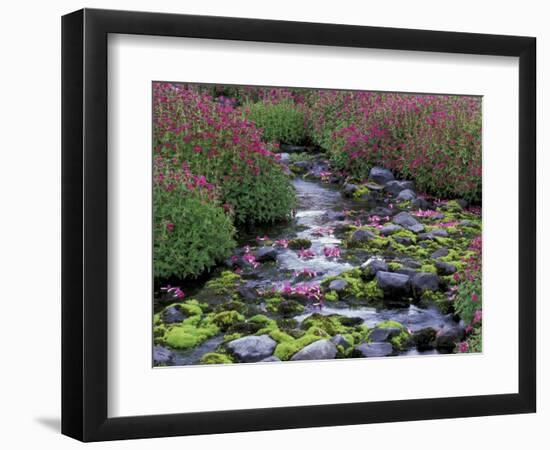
(463, 347)
(477, 316)
(474, 298)
(306, 253)
(170, 227)
(307, 273)
(282, 243)
(331, 252)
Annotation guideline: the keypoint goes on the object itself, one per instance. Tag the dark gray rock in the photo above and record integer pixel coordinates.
(448, 337)
(361, 236)
(390, 229)
(381, 175)
(271, 359)
(162, 355)
(383, 334)
(445, 268)
(421, 203)
(372, 266)
(394, 285)
(252, 348)
(381, 211)
(172, 314)
(247, 292)
(424, 339)
(440, 252)
(265, 254)
(406, 195)
(406, 271)
(403, 240)
(373, 350)
(335, 215)
(375, 186)
(349, 189)
(317, 350)
(395, 187)
(407, 221)
(463, 203)
(338, 285)
(340, 340)
(425, 281)
(288, 148)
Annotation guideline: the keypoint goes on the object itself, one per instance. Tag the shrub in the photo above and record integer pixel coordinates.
(282, 121)
(191, 231)
(436, 140)
(215, 140)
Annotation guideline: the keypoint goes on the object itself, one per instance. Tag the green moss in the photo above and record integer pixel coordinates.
(439, 299)
(261, 319)
(225, 283)
(298, 244)
(331, 296)
(232, 336)
(393, 266)
(329, 324)
(272, 304)
(375, 245)
(401, 341)
(280, 336)
(187, 335)
(429, 268)
(215, 358)
(225, 319)
(389, 324)
(286, 349)
(356, 287)
(361, 191)
(452, 205)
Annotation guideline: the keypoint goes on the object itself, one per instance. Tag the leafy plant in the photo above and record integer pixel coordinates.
(281, 122)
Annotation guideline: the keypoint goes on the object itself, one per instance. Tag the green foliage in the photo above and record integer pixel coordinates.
(215, 358)
(298, 244)
(283, 121)
(226, 283)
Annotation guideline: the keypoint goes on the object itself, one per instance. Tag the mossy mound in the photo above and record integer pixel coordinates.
(215, 358)
(299, 244)
(356, 289)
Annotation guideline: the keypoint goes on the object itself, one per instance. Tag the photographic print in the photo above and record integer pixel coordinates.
(295, 224)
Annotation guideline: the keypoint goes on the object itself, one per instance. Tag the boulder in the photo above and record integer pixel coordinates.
(252, 348)
(162, 355)
(425, 281)
(424, 339)
(349, 189)
(421, 203)
(394, 285)
(390, 229)
(440, 252)
(373, 350)
(247, 293)
(340, 340)
(407, 221)
(406, 271)
(448, 337)
(395, 187)
(265, 254)
(383, 334)
(321, 349)
(172, 314)
(361, 236)
(381, 175)
(338, 285)
(381, 211)
(373, 266)
(445, 268)
(406, 195)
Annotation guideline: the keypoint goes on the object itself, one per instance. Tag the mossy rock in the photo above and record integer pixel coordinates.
(331, 324)
(226, 283)
(215, 358)
(289, 346)
(225, 319)
(299, 244)
(189, 335)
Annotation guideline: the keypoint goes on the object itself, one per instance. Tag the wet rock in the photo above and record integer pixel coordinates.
(317, 350)
(252, 348)
(448, 337)
(381, 211)
(172, 314)
(271, 359)
(248, 293)
(244, 328)
(390, 229)
(340, 340)
(351, 321)
(421, 203)
(266, 254)
(362, 236)
(289, 308)
(373, 350)
(406, 195)
(395, 187)
(383, 334)
(433, 234)
(349, 189)
(424, 339)
(394, 285)
(403, 240)
(338, 285)
(381, 175)
(335, 215)
(372, 267)
(162, 355)
(406, 271)
(407, 221)
(440, 252)
(425, 281)
(445, 268)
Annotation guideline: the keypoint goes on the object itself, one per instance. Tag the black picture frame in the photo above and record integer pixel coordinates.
(84, 224)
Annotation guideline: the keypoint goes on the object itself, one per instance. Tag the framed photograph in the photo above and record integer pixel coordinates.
(273, 224)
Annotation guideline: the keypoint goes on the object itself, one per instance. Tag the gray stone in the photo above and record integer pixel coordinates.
(349, 189)
(421, 203)
(247, 292)
(395, 187)
(284, 157)
(361, 236)
(338, 285)
(252, 348)
(381, 175)
(373, 350)
(403, 240)
(162, 355)
(406, 195)
(394, 285)
(381, 211)
(271, 359)
(425, 281)
(445, 268)
(448, 337)
(372, 266)
(406, 271)
(390, 229)
(383, 334)
(407, 221)
(265, 254)
(341, 340)
(433, 234)
(172, 314)
(321, 349)
(440, 252)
